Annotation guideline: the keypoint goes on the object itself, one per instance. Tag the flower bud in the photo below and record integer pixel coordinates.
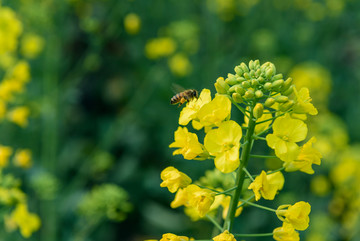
(247, 76)
(233, 88)
(220, 86)
(244, 67)
(276, 77)
(240, 79)
(289, 90)
(237, 97)
(257, 73)
(286, 106)
(239, 89)
(238, 70)
(287, 84)
(249, 93)
(257, 64)
(277, 84)
(246, 84)
(254, 82)
(259, 94)
(261, 79)
(258, 110)
(281, 99)
(251, 65)
(231, 79)
(270, 71)
(267, 86)
(252, 73)
(269, 102)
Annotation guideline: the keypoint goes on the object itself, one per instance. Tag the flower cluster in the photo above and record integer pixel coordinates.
(268, 102)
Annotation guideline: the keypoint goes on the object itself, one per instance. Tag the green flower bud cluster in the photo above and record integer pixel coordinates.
(258, 84)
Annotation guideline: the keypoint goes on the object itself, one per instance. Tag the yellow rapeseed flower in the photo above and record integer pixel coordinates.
(297, 215)
(187, 143)
(10, 30)
(19, 116)
(214, 112)
(180, 65)
(27, 222)
(8, 87)
(224, 144)
(189, 112)
(173, 179)
(159, 47)
(303, 103)
(267, 186)
(262, 126)
(31, 45)
(195, 197)
(5, 153)
(286, 233)
(225, 236)
(20, 72)
(23, 158)
(173, 237)
(307, 156)
(2, 109)
(132, 23)
(286, 132)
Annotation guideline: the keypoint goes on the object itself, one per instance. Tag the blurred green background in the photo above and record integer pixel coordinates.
(100, 117)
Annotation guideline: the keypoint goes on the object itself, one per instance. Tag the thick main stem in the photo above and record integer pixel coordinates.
(240, 176)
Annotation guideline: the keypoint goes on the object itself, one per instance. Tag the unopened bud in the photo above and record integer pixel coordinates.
(269, 102)
(277, 84)
(220, 86)
(249, 93)
(257, 73)
(244, 67)
(237, 98)
(251, 65)
(261, 79)
(231, 79)
(289, 90)
(254, 82)
(281, 99)
(240, 79)
(252, 73)
(258, 110)
(233, 88)
(246, 84)
(259, 94)
(276, 77)
(257, 63)
(267, 86)
(238, 70)
(287, 84)
(286, 106)
(247, 76)
(240, 90)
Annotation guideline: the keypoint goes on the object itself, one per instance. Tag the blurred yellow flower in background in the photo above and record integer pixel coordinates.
(19, 116)
(180, 65)
(160, 47)
(132, 23)
(10, 30)
(31, 45)
(5, 153)
(23, 158)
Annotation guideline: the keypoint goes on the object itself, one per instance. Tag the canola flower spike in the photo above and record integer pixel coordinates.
(297, 215)
(267, 186)
(286, 132)
(307, 156)
(173, 179)
(173, 237)
(286, 233)
(224, 144)
(187, 143)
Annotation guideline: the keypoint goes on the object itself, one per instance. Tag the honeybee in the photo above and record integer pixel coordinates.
(184, 96)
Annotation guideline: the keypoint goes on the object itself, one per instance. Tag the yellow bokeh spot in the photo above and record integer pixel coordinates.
(132, 23)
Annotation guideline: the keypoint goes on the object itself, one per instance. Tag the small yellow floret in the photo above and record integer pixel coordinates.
(132, 23)
(173, 179)
(23, 158)
(19, 116)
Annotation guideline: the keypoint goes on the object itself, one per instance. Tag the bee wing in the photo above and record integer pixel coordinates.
(177, 88)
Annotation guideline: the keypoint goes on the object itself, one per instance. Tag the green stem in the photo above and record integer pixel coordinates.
(271, 118)
(214, 222)
(246, 201)
(240, 177)
(248, 174)
(226, 191)
(277, 170)
(241, 109)
(258, 206)
(211, 189)
(253, 235)
(262, 156)
(259, 138)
